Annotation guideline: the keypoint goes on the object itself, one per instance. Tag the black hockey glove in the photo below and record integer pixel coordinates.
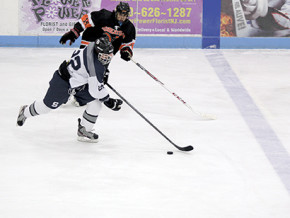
(126, 53)
(106, 76)
(72, 35)
(114, 104)
(63, 72)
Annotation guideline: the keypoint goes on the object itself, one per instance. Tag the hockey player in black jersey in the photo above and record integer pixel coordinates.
(114, 24)
(84, 73)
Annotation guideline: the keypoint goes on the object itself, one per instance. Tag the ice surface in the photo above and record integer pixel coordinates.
(45, 172)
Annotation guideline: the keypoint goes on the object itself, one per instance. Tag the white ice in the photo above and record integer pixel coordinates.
(45, 172)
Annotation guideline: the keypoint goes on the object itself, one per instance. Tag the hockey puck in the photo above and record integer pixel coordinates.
(169, 152)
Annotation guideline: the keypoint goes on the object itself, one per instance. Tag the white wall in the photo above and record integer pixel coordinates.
(9, 17)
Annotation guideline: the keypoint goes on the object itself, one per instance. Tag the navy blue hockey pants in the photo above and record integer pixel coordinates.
(59, 91)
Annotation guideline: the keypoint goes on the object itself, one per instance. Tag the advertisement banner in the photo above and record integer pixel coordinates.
(255, 18)
(150, 17)
(51, 17)
(164, 17)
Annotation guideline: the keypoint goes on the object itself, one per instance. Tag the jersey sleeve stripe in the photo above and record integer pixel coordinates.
(90, 64)
(130, 44)
(90, 20)
(86, 21)
(84, 42)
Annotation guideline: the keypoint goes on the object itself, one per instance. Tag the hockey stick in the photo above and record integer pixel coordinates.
(203, 115)
(187, 148)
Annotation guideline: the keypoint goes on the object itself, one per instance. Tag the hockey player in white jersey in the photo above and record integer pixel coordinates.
(267, 17)
(83, 73)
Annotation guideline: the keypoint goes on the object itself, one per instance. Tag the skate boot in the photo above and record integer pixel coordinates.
(85, 136)
(21, 118)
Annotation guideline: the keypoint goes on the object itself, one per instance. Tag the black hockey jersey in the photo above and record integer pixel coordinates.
(97, 23)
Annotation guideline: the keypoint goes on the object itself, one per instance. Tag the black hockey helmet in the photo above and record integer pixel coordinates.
(104, 50)
(123, 8)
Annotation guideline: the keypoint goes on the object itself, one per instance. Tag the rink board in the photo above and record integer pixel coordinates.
(156, 42)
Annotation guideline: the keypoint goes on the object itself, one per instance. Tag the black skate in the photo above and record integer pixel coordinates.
(85, 136)
(21, 118)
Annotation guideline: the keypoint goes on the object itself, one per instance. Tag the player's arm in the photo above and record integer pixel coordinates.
(126, 48)
(86, 21)
(98, 91)
(72, 35)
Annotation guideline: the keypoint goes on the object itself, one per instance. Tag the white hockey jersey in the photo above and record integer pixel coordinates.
(85, 68)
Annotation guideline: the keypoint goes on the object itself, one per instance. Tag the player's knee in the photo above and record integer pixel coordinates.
(50, 105)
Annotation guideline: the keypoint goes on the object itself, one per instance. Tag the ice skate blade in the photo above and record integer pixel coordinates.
(87, 140)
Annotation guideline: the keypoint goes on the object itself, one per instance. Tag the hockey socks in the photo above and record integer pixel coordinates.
(36, 108)
(90, 115)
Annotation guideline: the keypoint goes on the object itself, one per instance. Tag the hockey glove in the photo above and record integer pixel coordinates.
(72, 35)
(126, 53)
(63, 72)
(106, 76)
(114, 104)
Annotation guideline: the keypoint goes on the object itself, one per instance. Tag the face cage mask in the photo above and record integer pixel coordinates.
(105, 58)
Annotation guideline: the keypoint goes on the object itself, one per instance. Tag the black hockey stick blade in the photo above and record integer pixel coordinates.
(187, 148)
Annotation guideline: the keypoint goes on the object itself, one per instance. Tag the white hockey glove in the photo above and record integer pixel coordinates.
(254, 8)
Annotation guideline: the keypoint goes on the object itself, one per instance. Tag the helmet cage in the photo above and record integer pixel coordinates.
(105, 58)
(104, 50)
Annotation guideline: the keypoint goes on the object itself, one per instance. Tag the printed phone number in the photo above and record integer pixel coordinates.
(170, 12)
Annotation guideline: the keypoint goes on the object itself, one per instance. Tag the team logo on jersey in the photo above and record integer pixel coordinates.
(100, 87)
(116, 33)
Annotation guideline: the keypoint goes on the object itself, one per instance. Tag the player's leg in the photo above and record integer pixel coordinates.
(90, 115)
(56, 95)
(87, 122)
(79, 99)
